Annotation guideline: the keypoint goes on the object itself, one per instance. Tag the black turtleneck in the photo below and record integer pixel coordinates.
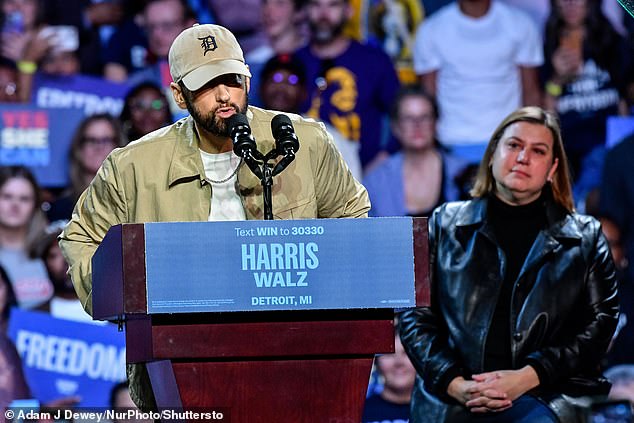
(515, 229)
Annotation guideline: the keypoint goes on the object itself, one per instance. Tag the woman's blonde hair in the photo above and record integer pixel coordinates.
(561, 186)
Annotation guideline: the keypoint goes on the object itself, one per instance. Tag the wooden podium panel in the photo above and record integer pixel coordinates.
(279, 334)
(324, 390)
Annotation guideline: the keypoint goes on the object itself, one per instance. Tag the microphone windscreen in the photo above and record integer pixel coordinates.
(235, 120)
(278, 123)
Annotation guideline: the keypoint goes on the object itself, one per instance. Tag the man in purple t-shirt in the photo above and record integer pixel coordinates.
(351, 86)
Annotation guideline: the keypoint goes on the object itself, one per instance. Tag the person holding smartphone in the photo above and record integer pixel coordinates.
(587, 65)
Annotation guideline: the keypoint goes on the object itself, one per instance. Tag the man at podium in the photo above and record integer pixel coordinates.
(188, 171)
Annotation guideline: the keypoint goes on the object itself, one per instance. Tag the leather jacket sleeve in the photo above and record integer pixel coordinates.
(583, 350)
(425, 335)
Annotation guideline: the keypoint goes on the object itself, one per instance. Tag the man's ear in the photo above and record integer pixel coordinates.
(177, 92)
(248, 81)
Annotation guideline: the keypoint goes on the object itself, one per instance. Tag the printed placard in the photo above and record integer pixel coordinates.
(63, 358)
(38, 139)
(279, 265)
(88, 94)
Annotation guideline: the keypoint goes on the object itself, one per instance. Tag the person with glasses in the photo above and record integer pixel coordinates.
(95, 137)
(282, 82)
(145, 109)
(422, 175)
(283, 88)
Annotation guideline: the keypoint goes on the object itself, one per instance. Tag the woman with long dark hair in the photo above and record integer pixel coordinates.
(585, 71)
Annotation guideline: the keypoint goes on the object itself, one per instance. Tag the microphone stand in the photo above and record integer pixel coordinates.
(265, 172)
(267, 184)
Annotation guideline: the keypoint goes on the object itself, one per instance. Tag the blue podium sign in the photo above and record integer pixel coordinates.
(279, 265)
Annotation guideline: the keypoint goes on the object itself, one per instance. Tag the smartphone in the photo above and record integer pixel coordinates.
(63, 37)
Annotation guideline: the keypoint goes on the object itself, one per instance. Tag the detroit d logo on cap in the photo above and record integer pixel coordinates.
(208, 44)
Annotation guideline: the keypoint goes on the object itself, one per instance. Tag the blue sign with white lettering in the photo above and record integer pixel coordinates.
(63, 358)
(38, 139)
(279, 265)
(88, 94)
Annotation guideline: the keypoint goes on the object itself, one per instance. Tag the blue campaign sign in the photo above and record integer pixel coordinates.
(279, 265)
(88, 94)
(39, 139)
(63, 358)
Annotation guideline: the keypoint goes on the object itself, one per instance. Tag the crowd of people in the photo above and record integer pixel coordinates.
(410, 90)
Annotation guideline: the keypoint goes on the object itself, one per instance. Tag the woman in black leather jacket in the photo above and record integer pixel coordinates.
(524, 300)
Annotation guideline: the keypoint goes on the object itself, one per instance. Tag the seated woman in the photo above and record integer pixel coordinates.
(524, 295)
(422, 175)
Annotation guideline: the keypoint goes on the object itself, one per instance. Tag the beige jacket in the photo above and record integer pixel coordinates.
(160, 178)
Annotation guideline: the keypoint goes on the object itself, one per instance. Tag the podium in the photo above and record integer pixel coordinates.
(227, 345)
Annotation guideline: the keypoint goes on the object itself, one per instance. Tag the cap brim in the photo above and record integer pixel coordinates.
(200, 76)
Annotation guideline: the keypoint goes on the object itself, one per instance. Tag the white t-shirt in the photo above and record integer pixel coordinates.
(226, 203)
(478, 80)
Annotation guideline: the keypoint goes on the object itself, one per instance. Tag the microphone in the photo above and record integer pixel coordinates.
(240, 132)
(286, 142)
(243, 142)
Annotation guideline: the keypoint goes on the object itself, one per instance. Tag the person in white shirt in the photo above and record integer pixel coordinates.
(480, 59)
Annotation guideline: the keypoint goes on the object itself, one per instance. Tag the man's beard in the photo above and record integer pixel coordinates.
(210, 122)
(324, 33)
